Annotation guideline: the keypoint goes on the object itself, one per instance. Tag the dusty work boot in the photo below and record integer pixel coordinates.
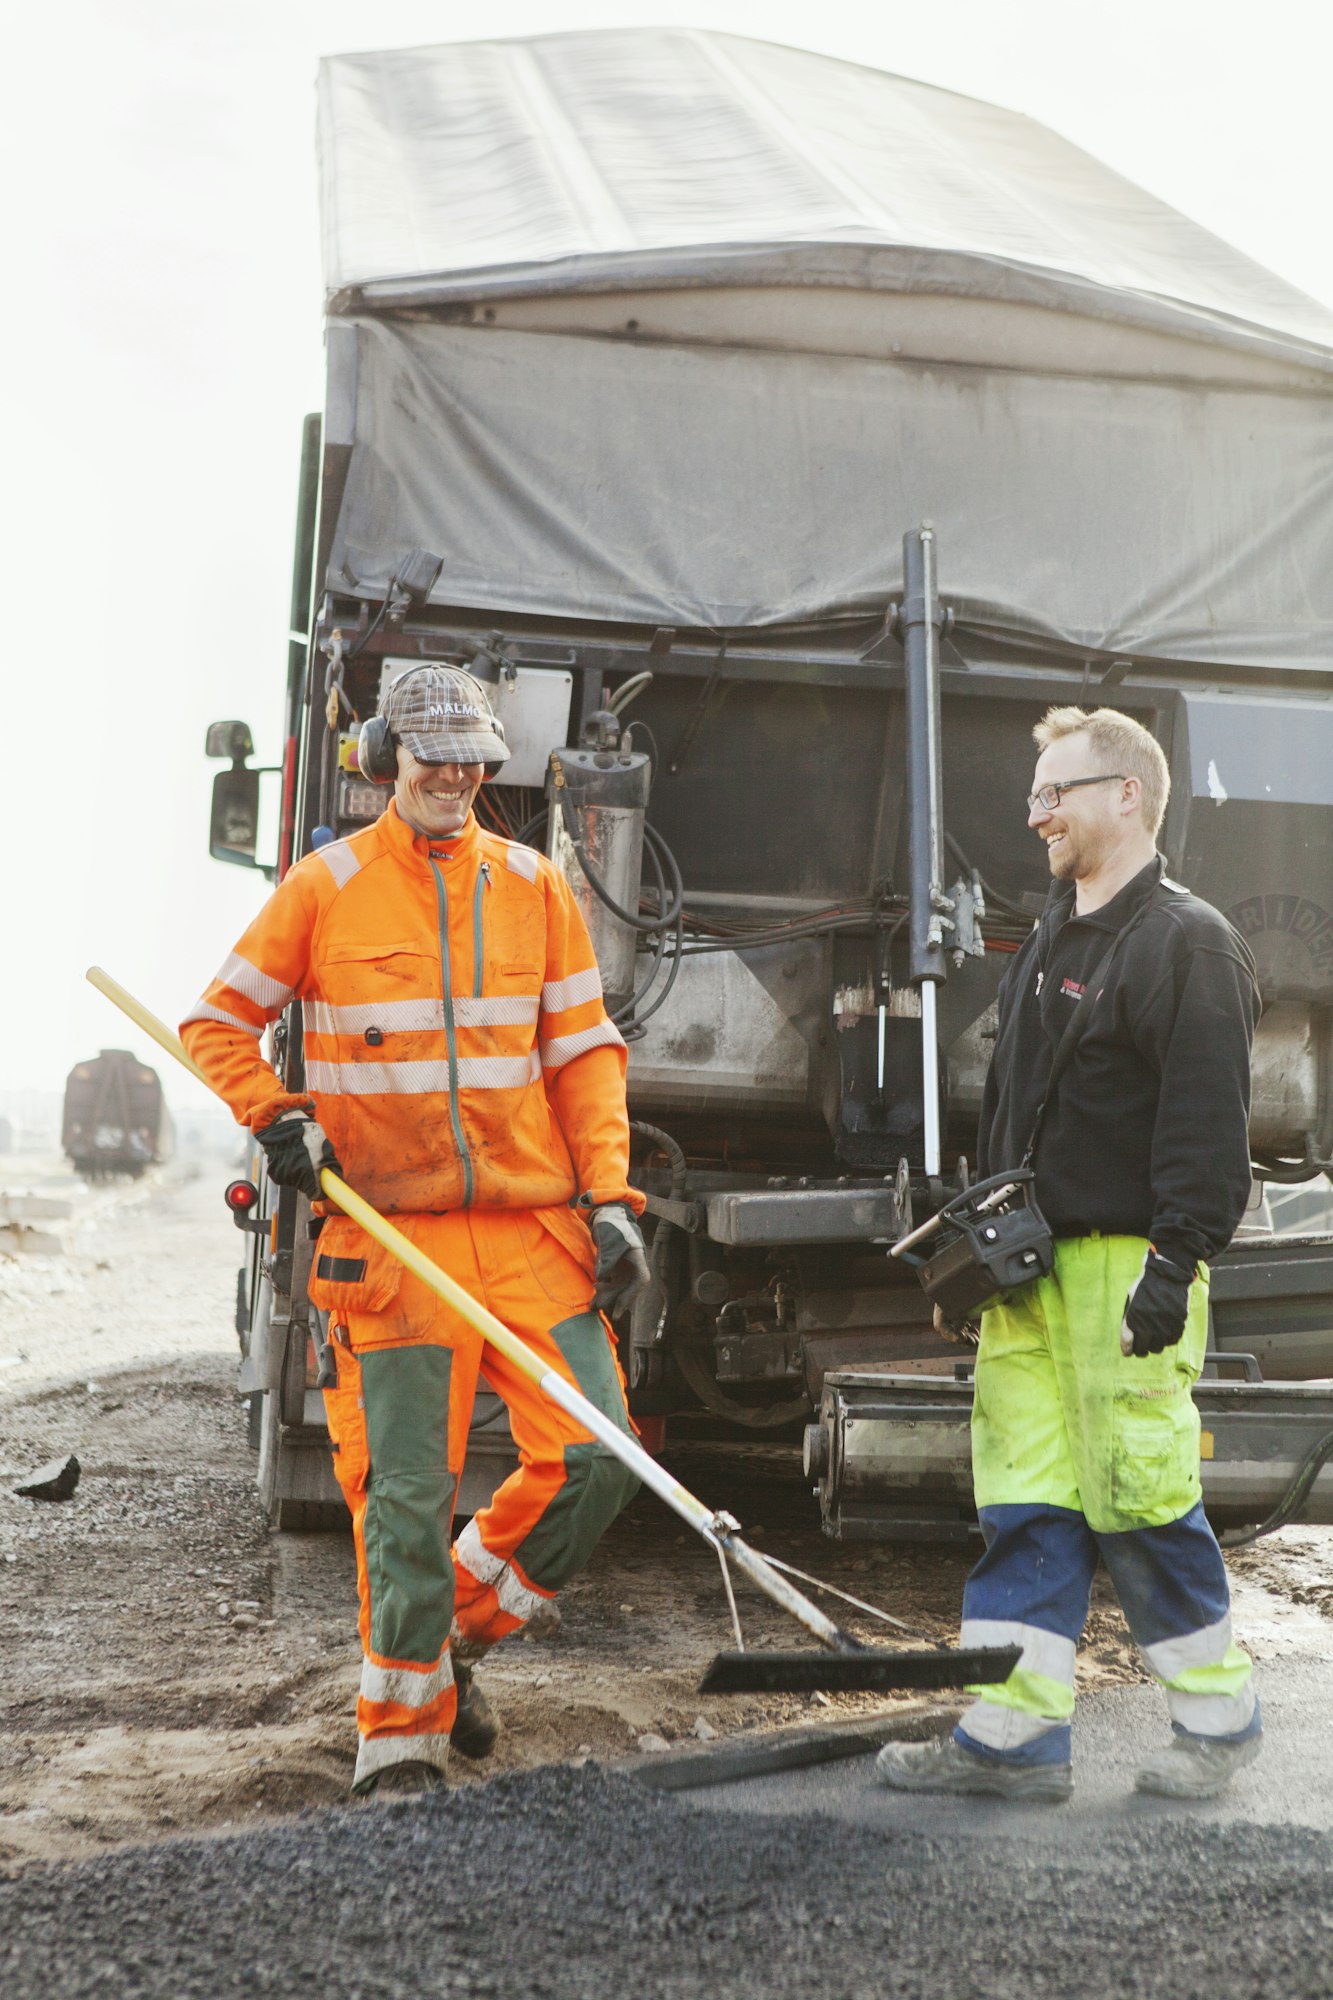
(943, 1765)
(475, 1728)
(401, 1781)
(1197, 1767)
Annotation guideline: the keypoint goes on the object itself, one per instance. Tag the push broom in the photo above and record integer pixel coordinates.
(847, 1665)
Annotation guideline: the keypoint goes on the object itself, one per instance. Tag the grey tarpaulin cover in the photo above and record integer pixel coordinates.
(678, 328)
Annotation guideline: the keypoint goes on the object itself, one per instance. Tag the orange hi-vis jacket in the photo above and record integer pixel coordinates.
(457, 1048)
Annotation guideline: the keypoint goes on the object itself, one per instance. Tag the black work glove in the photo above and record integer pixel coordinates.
(622, 1262)
(1157, 1306)
(296, 1148)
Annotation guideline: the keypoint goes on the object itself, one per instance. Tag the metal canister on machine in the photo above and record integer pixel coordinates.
(599, 802)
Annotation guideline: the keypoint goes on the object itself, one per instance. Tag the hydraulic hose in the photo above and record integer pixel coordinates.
(1292, 1500)
(664, 918)
(633, 1020)
(993, 895)
(658, 925)
(673, 1149)
(629, 691)
(657, 1249)
(624, 1016)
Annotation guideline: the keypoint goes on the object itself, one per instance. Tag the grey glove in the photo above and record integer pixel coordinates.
(622, 1262)
(296, 1148)
(962, 1332)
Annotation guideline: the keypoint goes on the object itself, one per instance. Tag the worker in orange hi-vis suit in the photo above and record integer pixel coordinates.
(462, 1074)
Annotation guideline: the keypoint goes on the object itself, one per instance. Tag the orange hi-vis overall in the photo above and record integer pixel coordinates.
(459, 1056)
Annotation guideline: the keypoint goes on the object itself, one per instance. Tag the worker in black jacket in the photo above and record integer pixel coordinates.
(1085, 1437)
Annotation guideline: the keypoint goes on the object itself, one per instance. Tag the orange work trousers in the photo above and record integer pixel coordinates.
(398, 1422)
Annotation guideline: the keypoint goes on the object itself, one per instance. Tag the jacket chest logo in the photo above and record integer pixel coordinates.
(1071, 989)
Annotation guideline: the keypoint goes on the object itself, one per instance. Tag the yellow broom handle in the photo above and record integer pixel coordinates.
(348, 1200)
(430, 1273)
(554, 1386)
(718, 1529)
(141, 1018)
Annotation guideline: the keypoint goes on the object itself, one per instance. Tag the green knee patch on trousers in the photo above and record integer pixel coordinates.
(409, 1501)
(597, 1486)
(583, 1342)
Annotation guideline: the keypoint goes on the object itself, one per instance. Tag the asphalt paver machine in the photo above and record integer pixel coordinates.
(778, 439)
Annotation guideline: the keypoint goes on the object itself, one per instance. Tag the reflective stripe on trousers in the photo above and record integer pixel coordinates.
(399, 1419)
(1078, 1451)
(1032, 1588)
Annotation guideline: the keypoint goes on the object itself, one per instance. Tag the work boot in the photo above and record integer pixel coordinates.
(1197, 1767)
(402, 1780)
(943, 1765)
(475, 1728)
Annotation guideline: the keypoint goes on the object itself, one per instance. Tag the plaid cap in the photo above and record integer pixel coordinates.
(443, 715)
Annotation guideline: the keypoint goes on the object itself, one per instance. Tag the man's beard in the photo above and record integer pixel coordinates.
(1078, 855)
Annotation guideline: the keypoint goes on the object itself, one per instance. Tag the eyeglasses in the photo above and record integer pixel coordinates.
(1048, 798)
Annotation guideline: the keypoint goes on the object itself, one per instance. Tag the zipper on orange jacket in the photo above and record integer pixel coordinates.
(478, 899)
(451, 1038)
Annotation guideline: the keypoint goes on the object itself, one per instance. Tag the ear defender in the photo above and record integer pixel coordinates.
(376, 751)
(489, 771)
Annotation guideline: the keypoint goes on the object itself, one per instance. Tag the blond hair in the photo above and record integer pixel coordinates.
(1124, 745)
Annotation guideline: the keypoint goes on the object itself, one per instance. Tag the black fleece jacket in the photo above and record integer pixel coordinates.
(1147, 1131)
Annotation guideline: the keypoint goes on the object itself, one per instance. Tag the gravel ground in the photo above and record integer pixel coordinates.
(167, 1665)
(169, 1668)
(566, 1885)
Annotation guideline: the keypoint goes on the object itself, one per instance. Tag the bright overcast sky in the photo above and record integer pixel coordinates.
(163, 342)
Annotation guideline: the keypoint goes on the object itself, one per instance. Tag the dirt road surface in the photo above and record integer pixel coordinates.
(172, 1671)
(169, 1666)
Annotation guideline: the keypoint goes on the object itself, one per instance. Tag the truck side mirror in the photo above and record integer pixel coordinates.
(229, 739)
(233, 828)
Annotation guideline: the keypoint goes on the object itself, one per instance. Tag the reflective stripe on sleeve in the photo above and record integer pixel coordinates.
(521, 860)
(252, 984)
(203, 1012)
(558, 994)
(409, 1687)
(515, 1597)
(340, 861)
(563, 1048)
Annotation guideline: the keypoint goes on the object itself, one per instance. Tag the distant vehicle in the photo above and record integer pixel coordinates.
(116, 1120)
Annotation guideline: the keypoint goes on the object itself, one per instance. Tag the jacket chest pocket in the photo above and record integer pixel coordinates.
(515, 946)
(516, 975)
(374, 991)
(513, 967)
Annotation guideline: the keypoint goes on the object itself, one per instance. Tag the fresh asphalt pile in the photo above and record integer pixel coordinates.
(576, 1884)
